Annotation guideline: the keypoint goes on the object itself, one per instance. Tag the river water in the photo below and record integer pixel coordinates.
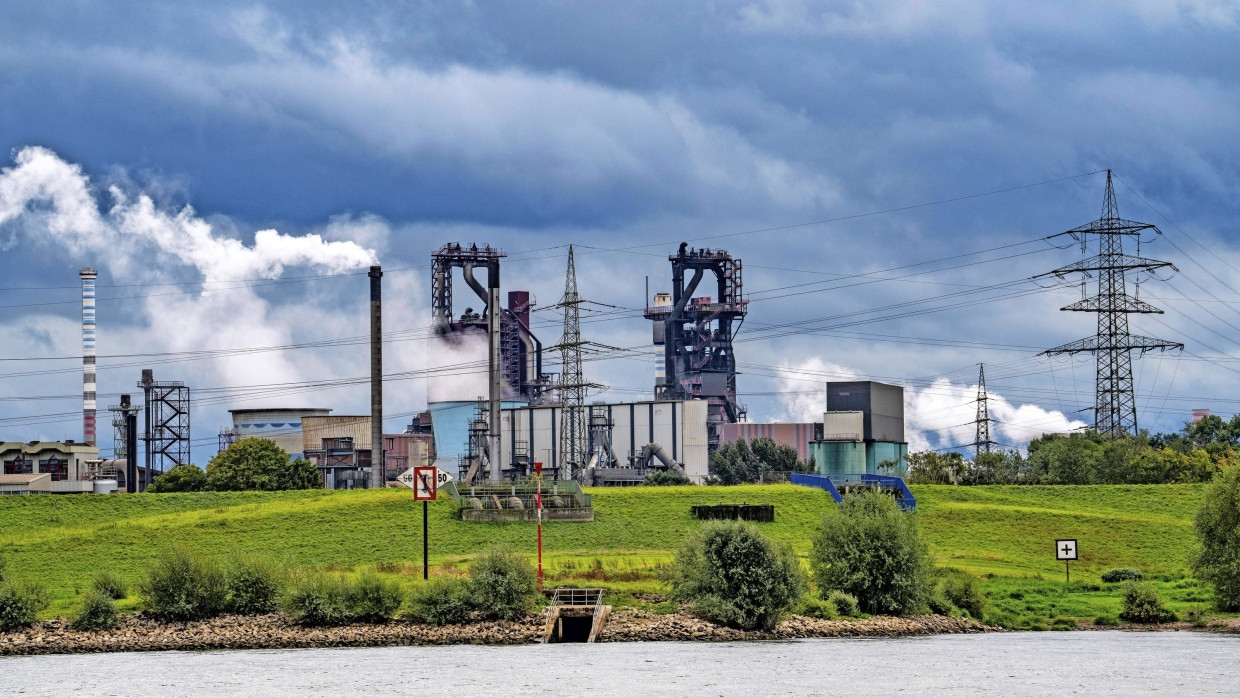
(1092, 663)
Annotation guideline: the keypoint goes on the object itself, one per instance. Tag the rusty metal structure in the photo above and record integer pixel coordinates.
(696, 334)
(1115, 407)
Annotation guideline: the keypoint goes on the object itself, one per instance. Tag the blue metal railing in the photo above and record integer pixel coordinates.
(831, 484)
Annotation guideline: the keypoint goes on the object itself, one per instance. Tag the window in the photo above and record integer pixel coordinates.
(18, 466)
(58, 467)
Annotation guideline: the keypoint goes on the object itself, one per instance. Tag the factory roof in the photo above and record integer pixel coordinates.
(24, 478)
(291, 410)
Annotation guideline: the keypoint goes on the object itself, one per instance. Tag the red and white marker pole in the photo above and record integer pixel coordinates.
(538, 504)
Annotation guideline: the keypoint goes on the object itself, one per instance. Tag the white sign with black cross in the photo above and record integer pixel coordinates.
(1066, 550)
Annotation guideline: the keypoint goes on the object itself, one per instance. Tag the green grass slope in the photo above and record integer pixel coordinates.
(1003, 531)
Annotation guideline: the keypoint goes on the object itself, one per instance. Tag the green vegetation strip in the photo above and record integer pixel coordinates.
(1004, 531)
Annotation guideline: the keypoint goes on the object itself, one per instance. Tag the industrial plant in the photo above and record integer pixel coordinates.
(529, 415)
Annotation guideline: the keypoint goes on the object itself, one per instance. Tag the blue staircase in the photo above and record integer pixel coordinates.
(832, 483)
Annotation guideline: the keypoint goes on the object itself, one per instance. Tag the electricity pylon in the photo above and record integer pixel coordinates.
(1115, 407)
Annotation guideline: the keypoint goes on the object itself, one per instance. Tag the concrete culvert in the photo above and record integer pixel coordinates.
(554, 502)
(475, 503)
(515, 503)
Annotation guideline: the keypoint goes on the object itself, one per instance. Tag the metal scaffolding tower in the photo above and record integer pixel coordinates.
(1115, 408)
(982, 443)
(167, 424)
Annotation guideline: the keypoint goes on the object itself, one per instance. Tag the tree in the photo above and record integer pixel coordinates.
(665, 477)
(1218, 529)
(930, 468)
(871, 549)
(259, 464)
(180, 478)
(742, 462)
(730, 573)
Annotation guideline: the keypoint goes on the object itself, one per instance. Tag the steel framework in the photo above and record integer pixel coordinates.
(572, 382)
(982, 443)
(697, 335)
(167, 423)
(1115, 409)
(120, 417)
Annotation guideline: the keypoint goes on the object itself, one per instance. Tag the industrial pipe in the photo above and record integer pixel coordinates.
(468, 272)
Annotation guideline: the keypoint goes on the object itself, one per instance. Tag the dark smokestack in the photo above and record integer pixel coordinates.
(131, 445)
(378, 469)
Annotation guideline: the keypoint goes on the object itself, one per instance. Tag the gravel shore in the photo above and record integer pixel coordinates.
(139, 634)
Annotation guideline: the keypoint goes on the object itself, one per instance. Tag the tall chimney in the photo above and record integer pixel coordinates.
(88, 275)
(378, 469)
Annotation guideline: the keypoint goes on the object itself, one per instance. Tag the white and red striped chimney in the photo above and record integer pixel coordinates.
(88, 275)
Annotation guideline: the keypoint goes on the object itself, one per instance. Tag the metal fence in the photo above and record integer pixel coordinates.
(558, 494)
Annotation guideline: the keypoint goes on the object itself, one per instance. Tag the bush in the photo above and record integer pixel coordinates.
(182, 586)
(1106, 621)
(109, 584)
(665, 477)
(1122, 574)
(963, 591)
(1198, 615)
(845, 604)
(502, 585)
(730, 573)
(20, 604)
(818, 608)
(98, 612)
(372, 599)
(1063, 624)
(938, 601)
(871, 549)
(315, 598)
(179, 478)
(440, 601)
(1218, 529)
(1141, 603)
(254, 586)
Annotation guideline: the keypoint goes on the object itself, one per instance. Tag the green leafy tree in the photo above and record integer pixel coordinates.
(502, 585)
(259, 464)
(730, 573)
(742, 462)
(1218, 529)
(930, 468)
(180, 478)
(871, 549)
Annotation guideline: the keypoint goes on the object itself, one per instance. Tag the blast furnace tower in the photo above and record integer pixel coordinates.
(697, 333)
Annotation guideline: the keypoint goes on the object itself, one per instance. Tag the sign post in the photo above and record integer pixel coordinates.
(538, 505)
(1066, 550)
(424, 480)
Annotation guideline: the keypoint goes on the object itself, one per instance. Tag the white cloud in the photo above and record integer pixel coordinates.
(133, 241)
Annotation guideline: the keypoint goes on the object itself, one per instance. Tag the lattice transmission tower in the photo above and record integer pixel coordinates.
(572, 381)
(982, 443)
(1115, 407)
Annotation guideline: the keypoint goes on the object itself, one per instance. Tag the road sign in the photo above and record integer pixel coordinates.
(441, 477)
(425, 479)
(408, 479)
(1065, 549)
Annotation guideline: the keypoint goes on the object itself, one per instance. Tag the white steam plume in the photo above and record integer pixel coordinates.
(52, 202)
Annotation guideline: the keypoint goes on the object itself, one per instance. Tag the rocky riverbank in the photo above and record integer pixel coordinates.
(139, 634)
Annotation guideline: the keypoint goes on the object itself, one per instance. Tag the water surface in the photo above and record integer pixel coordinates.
(1062, 663)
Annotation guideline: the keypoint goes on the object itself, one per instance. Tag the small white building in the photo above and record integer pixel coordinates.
(65, 462)
(33, 483)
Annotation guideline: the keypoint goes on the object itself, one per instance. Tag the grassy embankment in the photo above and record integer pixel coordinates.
(1004, 533)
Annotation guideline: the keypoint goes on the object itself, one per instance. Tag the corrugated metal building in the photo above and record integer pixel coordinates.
(796, 435)
(283, 425)
(679, 426)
